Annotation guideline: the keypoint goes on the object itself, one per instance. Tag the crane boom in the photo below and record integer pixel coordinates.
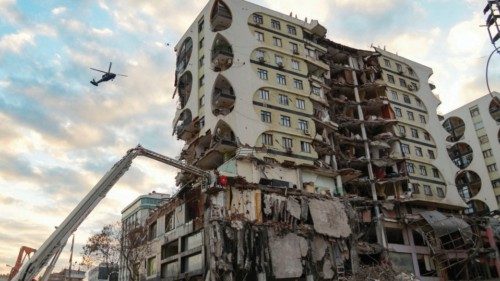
(59, 237)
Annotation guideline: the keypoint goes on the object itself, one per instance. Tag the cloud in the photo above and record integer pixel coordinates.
(15, 42)
(59, 10)
(102, 32)
(464, 38)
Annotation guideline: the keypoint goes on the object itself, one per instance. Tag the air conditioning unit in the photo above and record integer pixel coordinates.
(411, 87)
(280, 65)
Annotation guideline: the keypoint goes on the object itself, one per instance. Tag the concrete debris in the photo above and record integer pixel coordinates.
(329, 218)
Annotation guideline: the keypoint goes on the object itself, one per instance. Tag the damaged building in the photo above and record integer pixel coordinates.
(329, 158)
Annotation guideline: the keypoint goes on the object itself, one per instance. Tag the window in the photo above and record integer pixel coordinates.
(423, 170)
(305, 147)
(492, 168)
(202, 101)
(283, 99)
(265, 116)
(390, 78)
(287, 142)
(200, 44)
(406, 99)
(262, 74)
(415, 188)
(410, 168)
(435, 172)
(411, 72)
(478, 125)
(414, 133)
(301, 104)
(267, 139)
(152, 231)
(431, 154)
(285, 121)
(484, 139)
(406, 149)
(303, 125)
(278, 60)
(259, 54)
(419, 102)
(402, 82)
(258, 19)
(427, 190)
(316, 90)
(398, 112)
(151, 266)
(440, 191)
(312, 53)
(410, 115)
(277, 42)
(402, 129)
(298, 84)
(281, 79)
(275, 24)
(260, 36)
(201, 24)
(427, 136)
(487, 153)
(202, 122)
(422, 119)
(387, 63)
(399, 67)
(418, 151)
(295, 65)
(294, 48)
(474, 111)
(264, 94)
(414, 85)
(394, 95)
(201, 61)
(202, 81)
(292, 30)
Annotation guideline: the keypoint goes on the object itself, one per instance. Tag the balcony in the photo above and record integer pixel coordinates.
(220, 18)
(222, 54)
(223, 97)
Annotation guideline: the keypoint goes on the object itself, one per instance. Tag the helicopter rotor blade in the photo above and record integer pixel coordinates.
(98, 70)
(121, 75)
(109, 70)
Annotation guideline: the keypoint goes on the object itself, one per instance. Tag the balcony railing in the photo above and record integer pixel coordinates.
(221, 11)
(224, 50)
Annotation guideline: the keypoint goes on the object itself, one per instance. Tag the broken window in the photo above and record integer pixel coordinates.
(152, 231)
(169, 249)
(394, 235)
(169, 222)
(426, 265)
(418, 240)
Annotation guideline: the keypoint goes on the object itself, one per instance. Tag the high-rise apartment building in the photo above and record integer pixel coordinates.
(472, 141)
(294, 120)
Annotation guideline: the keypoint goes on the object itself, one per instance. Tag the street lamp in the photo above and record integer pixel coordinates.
(492, 12)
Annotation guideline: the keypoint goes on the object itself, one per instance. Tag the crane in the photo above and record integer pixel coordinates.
(24, 253)
(51, 248)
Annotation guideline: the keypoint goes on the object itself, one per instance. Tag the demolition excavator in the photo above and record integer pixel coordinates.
(49, 251)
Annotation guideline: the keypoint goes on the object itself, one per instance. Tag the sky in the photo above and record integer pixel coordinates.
(59, 134)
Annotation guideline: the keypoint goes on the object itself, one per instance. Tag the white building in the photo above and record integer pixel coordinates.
(473, 145)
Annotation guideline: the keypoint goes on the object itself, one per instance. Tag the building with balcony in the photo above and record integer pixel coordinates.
(328, 157)
(473, 145)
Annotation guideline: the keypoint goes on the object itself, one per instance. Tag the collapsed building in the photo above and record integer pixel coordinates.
(329, 157)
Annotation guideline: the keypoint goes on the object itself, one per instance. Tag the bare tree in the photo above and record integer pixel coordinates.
(114, 242)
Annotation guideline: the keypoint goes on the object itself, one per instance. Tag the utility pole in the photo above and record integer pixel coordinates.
(68, 277)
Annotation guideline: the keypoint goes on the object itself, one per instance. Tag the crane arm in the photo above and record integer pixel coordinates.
(59, 237)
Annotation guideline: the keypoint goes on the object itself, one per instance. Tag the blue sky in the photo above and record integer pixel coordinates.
(59, 134)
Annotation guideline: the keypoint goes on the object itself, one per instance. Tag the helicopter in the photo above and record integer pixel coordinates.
(106, 76)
